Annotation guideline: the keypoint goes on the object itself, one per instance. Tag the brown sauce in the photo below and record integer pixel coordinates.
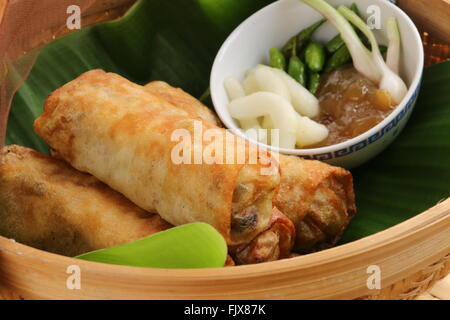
(350, 104)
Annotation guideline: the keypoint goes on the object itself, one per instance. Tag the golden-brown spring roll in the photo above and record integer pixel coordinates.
(182, 100)
(46, 204)
(317, 197)
(272, 244)
(119, 132)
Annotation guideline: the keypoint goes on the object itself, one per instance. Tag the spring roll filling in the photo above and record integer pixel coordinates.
(252, 203)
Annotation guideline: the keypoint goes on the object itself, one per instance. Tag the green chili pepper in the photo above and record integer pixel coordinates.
(339, 58)
(299, 40)
(277, 59)
(334, 44)
(355, 9)
(290, 47)
(307, 33)
(297, 70)
(301, 55)
(314, 81)
(315, 56)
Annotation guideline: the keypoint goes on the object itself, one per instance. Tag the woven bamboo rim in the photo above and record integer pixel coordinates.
(412, 256)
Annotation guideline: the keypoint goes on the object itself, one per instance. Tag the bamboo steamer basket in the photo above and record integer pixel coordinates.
(412, 255)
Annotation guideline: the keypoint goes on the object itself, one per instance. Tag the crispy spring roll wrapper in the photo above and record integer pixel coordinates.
(46, 204)
(317, 197)
(119, 132)
(182, 100)
(272, 244)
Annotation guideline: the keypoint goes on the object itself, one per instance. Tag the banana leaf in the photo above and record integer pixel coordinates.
(176, 41)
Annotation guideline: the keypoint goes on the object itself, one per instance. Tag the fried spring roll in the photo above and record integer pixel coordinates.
(46, 204)
(119, 132)
(317, 197)
(272, 244)
(182, 100)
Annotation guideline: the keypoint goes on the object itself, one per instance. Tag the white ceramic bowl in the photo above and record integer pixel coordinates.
(248, 45)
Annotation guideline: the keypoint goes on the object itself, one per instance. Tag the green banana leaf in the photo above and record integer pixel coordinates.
(176, 41)
(192, 245)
